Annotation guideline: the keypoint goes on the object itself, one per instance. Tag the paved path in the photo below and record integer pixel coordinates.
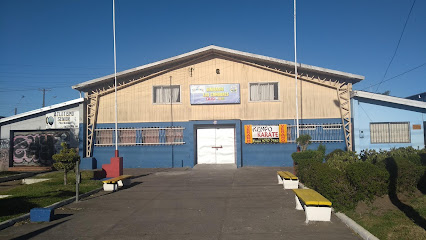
(200, 203)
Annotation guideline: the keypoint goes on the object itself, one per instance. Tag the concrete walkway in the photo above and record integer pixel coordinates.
(200, 203)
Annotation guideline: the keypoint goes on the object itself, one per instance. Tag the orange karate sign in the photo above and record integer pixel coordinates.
(283, 133)
(248, 134)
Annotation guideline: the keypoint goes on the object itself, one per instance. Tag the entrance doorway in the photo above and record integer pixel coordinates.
(216, 145)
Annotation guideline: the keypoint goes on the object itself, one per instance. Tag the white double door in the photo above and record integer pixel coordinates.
(215, 145)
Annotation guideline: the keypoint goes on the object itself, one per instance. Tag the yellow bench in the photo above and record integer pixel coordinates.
(316, 206)
(113, 184)
(288, 180)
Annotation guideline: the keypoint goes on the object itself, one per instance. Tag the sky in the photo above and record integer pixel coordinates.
(54, 44)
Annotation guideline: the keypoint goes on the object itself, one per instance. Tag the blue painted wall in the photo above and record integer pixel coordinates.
(162, 156)
(366, 111)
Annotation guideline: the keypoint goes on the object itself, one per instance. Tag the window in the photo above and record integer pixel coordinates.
(104, 136)
(127, 136)
(396, 132)
(263, 92)
(174, 135)
(166, 94)
(150, 135)
(140, 136)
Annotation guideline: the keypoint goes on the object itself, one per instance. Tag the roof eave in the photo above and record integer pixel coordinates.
(390, 99)
(40, 110)
(210, 49)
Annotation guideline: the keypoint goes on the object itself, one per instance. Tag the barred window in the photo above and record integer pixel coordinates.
(392, 132)
(140, 136)
(263, 92)
(127, 136)
(174, 135)
(150, 135)
(166, 94)
(104, 136)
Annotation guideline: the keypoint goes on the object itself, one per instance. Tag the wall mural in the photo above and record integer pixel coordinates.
(37, 148)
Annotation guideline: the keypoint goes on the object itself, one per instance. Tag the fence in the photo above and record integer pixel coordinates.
(320, 133)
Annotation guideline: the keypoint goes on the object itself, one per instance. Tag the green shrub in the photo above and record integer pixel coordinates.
(308, 155)
(321, 148)
(304, 160)
(367, 180)
(404, 174)
(333, 185)
(372, 156)
(422, 155)
(408, 153)
(341, 160)
(330, 155)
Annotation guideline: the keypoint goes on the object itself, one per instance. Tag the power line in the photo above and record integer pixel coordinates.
(410, 70)
(397, 46)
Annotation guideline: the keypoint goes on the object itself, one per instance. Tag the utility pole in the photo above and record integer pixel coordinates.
(44, 95)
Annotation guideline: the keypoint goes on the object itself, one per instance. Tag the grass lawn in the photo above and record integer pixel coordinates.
(25, 197)
(386, 221)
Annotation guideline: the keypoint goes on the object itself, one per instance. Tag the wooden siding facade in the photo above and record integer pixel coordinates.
(135, 102)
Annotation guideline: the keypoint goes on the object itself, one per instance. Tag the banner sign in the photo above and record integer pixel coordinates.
(215, 94)
(248, 134)
(62, 119)
(265, 133)
(283, 133)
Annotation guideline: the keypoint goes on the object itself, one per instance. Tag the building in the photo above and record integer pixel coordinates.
(385, 122)
(418, 97)
(31, 138)
(215, 106)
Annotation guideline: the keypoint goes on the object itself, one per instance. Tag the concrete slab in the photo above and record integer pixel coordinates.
(34, 180)
(203, 203)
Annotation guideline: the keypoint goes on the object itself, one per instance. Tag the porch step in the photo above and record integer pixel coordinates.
(30, 169)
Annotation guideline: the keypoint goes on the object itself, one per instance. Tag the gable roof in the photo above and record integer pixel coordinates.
(389, 99)
(40, 110)
(219, 50)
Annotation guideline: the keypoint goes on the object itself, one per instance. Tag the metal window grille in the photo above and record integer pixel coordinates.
(319, 132)
(390, 132)
(140, 136)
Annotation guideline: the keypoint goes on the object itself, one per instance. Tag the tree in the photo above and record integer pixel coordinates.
(65, 159)
(303, 141)
(387, 93)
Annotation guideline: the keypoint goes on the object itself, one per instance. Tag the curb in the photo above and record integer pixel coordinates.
(21, 176)
(26, 216)
(366, 235)
(16, 177)
(362, 232)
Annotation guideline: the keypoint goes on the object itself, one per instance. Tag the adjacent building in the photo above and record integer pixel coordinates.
(385, 122)
(31, 138)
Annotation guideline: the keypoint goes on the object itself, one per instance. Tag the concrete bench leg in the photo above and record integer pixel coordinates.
(124, 182)
(110, 187)
(290, 184)
(280, 181)
(314, 213)
(298, 204)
